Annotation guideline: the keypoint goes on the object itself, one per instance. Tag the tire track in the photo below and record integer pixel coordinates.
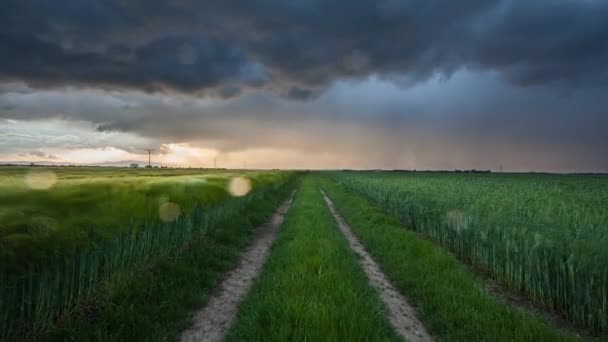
(401, 314)
(211, 323)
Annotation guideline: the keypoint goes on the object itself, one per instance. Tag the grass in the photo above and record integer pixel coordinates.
(312, 287)
(84, 207)
(33, 299)
(95, 257)
(451, 302)
(540, 235)
(154, 303)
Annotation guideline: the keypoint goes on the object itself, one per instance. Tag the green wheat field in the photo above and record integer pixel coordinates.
(90, 254)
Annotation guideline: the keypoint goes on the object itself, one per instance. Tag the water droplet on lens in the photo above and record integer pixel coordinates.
(239, 186)
(169, 211)
(40, 180)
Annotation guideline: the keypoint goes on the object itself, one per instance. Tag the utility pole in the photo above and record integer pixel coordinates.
(149, 158)
(215, 162)
(244, 164)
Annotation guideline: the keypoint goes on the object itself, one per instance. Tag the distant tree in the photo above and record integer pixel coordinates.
(134, 166)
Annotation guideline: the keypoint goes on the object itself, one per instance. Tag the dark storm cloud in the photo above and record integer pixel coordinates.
(185, 63)
(297, 47)
(471, 120)
(479, 82)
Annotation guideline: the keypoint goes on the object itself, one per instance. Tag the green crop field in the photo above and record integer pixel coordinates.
(107, 254)
(45, 211)
(63, 231)
(543, 235)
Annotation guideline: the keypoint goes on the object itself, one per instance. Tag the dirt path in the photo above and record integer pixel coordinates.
(213, 320)
(401, 314)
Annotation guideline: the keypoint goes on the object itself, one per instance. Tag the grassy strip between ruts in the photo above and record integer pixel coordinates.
(312, 287)
(154, 304)
(451, 302)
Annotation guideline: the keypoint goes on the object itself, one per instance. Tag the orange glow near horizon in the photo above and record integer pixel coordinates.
(91, 155)
(189, 155)
(180, 155)
(185, 155)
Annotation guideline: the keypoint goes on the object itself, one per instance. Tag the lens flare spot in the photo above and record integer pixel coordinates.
(239, 186)
(169, 211)
(456, 219)
(40, 180)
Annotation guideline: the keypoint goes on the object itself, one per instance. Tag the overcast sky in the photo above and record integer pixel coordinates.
(422, 84)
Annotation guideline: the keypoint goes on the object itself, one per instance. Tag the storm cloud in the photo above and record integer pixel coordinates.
(297, 48)
(471, 120)
(309, 83)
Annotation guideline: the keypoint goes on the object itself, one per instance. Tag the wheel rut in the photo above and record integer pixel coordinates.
(401, 314)
(211, 322)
